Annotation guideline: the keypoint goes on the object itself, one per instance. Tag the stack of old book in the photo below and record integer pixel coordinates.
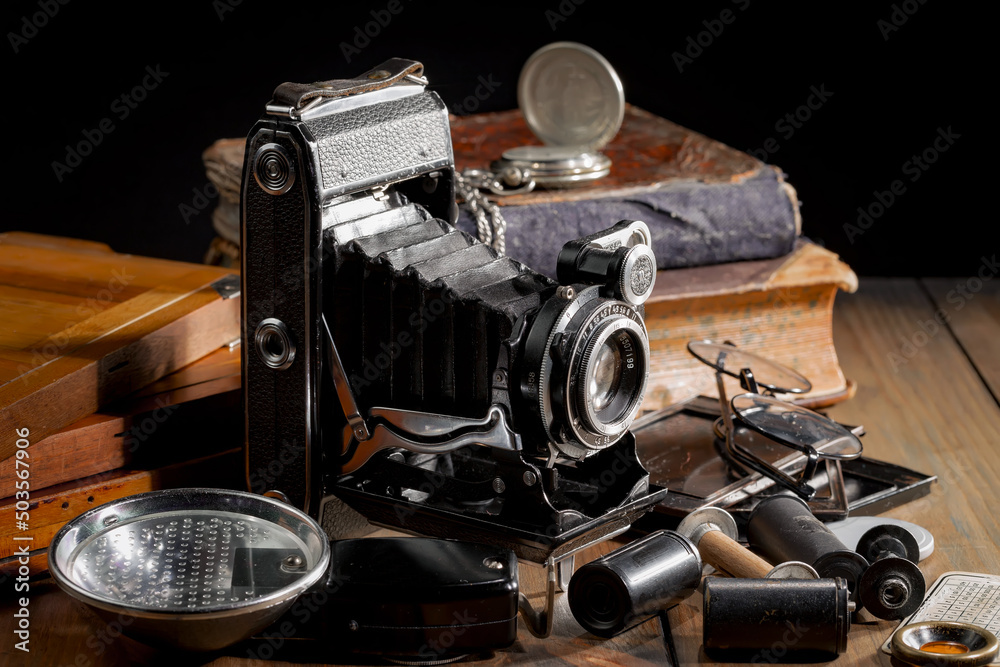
(117, 376)
(726, 232)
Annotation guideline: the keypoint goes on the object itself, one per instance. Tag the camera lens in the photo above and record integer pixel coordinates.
(585, 367)
(605, 377)
(615, 377)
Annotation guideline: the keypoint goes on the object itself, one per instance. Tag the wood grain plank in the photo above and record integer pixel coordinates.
(30, 322)
(72, 387)
(222, 363)
(931, 413)
(971, 308)
(32, 240)
(13, 362)
(100, 276)
(85, 326)
(98, 322)
(111, 438)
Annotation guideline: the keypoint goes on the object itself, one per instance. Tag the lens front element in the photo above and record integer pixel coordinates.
(605, 376)
(611, 377)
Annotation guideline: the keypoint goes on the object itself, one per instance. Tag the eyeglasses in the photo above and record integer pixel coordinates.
(817, 437)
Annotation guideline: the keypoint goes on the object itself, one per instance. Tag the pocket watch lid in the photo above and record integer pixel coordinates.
(571, 96)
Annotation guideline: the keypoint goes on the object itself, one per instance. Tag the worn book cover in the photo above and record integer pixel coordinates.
(704, 202)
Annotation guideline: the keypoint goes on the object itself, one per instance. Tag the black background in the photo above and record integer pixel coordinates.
(889, 98)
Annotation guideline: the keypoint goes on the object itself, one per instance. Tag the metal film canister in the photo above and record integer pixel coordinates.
(777, 615)
(634, 583)
(783, 528)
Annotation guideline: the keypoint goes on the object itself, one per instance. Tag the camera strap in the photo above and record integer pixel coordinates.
(392, 71)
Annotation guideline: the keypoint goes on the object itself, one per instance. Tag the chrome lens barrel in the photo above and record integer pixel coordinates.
(586, 366)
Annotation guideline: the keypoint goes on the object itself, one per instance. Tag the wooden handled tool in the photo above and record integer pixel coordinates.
(713, 531)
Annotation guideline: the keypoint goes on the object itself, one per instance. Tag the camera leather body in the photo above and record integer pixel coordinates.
(282, 265)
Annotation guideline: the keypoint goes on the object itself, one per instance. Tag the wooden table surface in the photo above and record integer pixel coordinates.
(927, 396)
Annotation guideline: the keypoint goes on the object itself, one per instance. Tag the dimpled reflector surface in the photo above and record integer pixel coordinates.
(181, 560)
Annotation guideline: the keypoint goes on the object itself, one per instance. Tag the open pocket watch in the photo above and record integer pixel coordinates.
(574, 103)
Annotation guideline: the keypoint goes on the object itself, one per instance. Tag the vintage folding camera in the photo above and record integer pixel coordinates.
(396, 364)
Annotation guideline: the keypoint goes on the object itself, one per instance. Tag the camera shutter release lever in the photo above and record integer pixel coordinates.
(713, 531)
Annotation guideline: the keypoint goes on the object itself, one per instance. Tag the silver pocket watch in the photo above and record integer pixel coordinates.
(573, 101)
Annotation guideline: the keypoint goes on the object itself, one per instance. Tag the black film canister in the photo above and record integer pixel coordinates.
(776, 615)
(783, 528)
(634, 583)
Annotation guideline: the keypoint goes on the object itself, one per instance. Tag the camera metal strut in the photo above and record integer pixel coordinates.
(402, 428)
